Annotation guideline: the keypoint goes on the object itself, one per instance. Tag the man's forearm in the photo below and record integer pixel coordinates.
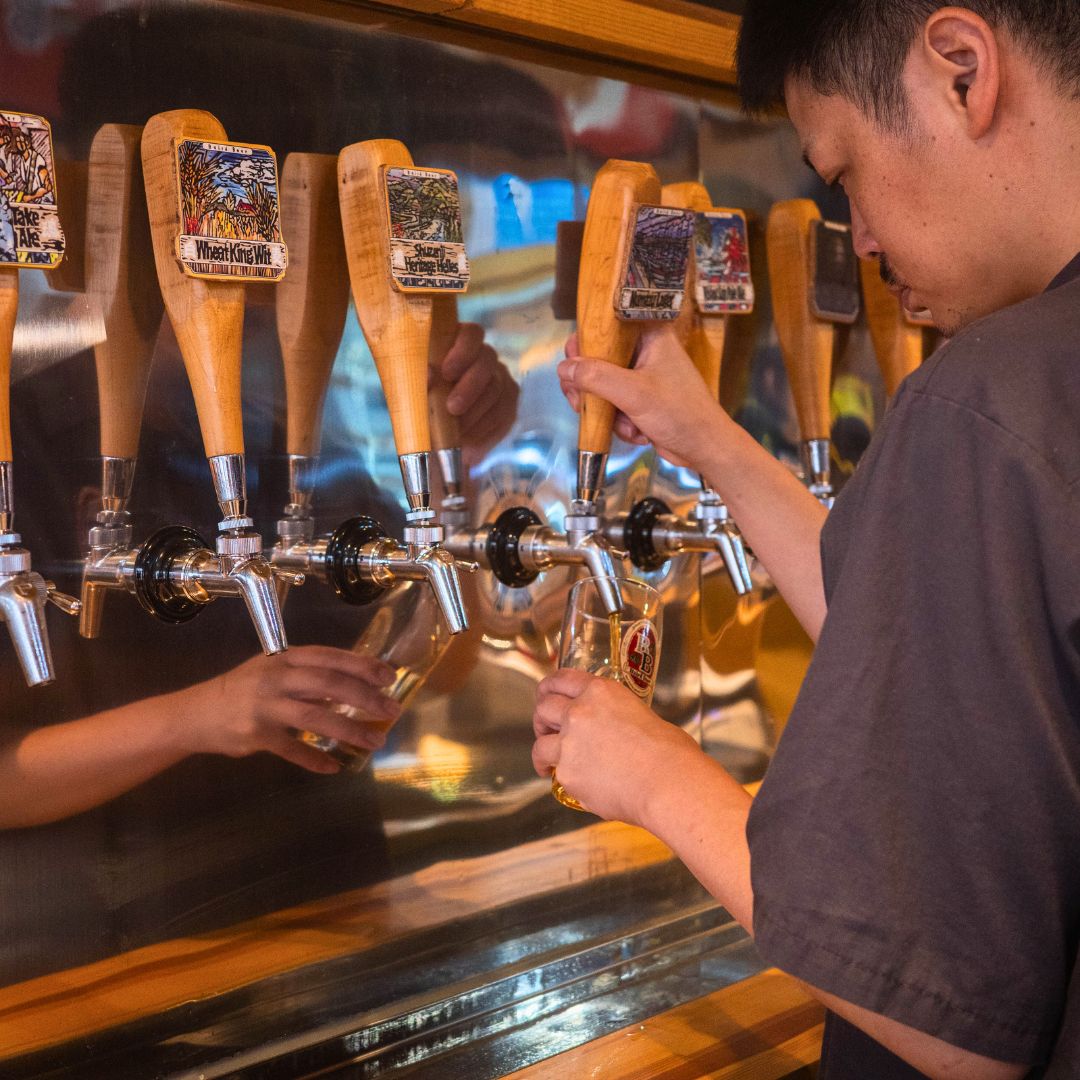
(779, 517)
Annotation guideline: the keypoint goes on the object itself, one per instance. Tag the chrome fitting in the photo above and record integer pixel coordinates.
(591, 467)
(230, 484)
(117, 478)
(416, 476)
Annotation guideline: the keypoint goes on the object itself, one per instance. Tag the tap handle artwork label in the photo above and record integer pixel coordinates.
(722, 255)
(30, 232)
(835, 292)
(230, 211)
(427, 240)
(654, 285)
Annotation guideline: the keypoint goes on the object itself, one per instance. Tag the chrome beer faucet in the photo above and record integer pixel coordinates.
(361, 561)
(174, 574)
(24, 594)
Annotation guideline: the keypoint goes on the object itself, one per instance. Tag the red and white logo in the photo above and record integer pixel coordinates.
(640, 657)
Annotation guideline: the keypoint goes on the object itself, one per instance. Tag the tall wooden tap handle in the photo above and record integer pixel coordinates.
(703, 336)
(445, 428)
(397, 325)
(618, 186)
(121, 284)
(9, 307)
(805, 340)
(740, 341)
(207, 316)
(312, 300)
(898, 343)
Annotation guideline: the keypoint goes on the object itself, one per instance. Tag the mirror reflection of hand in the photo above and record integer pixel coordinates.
(661, 400)
(609, 749)
(483, 394)
(260, 704)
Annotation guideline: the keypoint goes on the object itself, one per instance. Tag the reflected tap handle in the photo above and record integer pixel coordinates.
(898, 337)
(311, 303)
(702, 337)
(445, 427)
(803, 311)
(121, 286)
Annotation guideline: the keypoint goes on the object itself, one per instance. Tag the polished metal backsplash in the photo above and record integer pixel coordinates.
(214, 840)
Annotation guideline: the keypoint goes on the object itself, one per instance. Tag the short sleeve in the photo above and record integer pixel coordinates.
(915, 848)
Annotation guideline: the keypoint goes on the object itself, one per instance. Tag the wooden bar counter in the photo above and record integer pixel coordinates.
(762, 1027)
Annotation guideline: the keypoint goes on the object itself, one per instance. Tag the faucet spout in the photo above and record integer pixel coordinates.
(22, 607)
(441, 572)
(255, 582)
(597, 556)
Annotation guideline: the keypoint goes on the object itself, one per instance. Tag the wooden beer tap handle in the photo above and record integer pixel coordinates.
(9, 308)
(702, 335)
(121, 284)
(397, 325)
(312, 300)
(618, 186)
(445, 428)
(898, 343)
(806, 341)
(207, 316)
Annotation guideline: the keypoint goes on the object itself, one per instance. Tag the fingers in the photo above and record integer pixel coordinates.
(483, 375)
(359, 665)
(628, 431)
(545, 754)
(622, 387)
(464, 351)
(290, 749)
(568, 682)
(315, 684)
(572, 346)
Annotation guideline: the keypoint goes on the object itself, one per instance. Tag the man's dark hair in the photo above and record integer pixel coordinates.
(857, 48)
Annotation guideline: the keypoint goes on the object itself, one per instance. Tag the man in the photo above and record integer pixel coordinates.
(912, 855)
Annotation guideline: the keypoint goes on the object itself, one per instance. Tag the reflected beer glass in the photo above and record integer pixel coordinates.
(623, 647)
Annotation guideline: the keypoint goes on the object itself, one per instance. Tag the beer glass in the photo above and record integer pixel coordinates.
(407, 632)
(623, 647)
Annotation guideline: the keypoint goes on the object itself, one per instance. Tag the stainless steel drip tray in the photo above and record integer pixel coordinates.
(475, 998)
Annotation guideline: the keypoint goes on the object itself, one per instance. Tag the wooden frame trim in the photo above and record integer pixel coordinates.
(671, 45)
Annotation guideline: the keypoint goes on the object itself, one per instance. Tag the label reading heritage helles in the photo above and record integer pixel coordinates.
(638, 657)
(427, 241)
(30, 232)
(722, 256)
(659, 253)
(229, 211)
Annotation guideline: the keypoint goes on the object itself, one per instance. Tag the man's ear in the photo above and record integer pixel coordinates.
(962, 51)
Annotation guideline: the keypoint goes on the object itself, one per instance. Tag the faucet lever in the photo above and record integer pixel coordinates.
(69, 605)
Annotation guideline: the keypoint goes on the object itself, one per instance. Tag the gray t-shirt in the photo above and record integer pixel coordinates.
(915, 847)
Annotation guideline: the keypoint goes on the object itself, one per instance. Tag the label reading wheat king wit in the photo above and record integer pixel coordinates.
(30, 232)
(229, 211)
(659, 254)
(722, 253)
(427, 242)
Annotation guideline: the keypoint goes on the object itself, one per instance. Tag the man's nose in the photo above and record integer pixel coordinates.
(866, 247)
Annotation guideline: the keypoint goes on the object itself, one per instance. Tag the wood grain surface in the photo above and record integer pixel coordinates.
(898, 344)
(397, 325)
(9, 310)
(121, 284)
(312, 300)
(806, 341)
(207, 316)
(619, 186)
(445, 427)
